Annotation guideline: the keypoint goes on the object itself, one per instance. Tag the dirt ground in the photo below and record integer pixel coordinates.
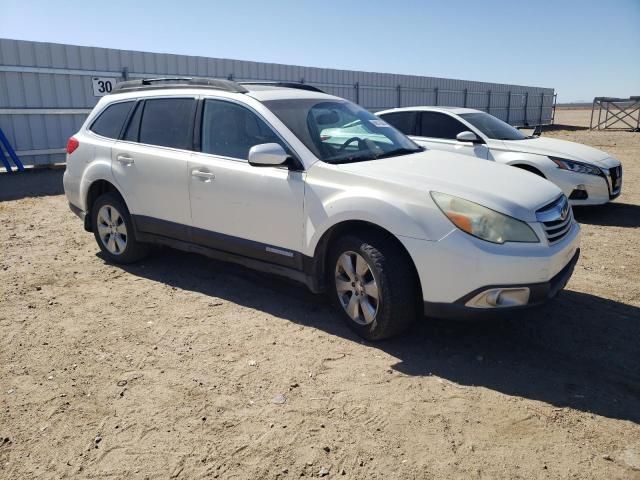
(182, 367)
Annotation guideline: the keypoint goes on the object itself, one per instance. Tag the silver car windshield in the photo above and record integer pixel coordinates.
(340, 131)
(493, 127)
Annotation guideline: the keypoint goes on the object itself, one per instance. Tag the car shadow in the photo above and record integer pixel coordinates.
(609, 215)
(31, 183)
(557, 127)
(579, 351)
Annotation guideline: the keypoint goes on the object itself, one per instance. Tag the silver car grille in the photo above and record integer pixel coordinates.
(556, 219)
(615, 179)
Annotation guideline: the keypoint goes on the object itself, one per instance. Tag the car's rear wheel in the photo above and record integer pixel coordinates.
(113, 229)
(373, 283)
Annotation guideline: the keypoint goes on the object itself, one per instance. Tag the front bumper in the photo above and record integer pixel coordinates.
(459, 265)
(599, 189)
(539, 293)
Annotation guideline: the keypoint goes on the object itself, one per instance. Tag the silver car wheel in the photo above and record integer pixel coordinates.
(112, 229)
(357, 288)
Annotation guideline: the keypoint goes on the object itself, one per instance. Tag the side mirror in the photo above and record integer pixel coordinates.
(267, 155)
(468, 136)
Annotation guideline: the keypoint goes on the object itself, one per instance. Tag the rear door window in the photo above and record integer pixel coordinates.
(403, 121)
(440, 125)
(167, 122)
(109, 123)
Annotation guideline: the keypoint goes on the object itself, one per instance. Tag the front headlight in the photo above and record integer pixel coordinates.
(577, 167)
(482, 222)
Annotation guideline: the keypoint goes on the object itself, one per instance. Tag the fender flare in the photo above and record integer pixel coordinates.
(99, 170)
(409, 219)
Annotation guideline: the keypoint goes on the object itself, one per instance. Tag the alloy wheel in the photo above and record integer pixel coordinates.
(357, 288)
(112, 229)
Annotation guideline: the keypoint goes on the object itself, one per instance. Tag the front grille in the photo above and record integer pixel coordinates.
(556, 219)
(616, 179)
(557, 229)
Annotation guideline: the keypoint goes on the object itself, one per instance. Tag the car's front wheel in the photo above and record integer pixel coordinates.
(374, 284)
(113, 229)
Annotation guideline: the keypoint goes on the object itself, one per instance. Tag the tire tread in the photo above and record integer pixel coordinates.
(135, 251)
(398, 283)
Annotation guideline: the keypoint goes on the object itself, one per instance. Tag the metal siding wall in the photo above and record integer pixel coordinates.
(417, 96)
(499, 103)
(36, 75)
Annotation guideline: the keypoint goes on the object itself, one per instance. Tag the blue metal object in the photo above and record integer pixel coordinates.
(11, 152)
(7, 165)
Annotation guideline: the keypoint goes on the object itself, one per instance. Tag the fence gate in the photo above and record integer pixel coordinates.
(619, 113)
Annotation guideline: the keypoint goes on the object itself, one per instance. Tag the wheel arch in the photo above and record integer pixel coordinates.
(95, 189)
(321, 254)
(528, 168)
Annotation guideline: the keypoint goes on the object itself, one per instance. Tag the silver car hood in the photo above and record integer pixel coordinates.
(502, 188)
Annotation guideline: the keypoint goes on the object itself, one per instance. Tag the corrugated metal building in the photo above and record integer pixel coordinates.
(47, 89)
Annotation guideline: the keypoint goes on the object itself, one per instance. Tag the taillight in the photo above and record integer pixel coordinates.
(72, 144)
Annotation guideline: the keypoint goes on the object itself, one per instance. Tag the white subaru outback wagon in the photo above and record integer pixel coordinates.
(260, 175)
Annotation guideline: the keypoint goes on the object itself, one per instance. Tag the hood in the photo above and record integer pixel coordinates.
(558, 148)
(508, 190)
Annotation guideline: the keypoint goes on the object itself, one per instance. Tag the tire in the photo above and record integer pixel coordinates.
(113, 229)
(396, 285)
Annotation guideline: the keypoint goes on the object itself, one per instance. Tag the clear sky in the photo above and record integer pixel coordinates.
(582, 48)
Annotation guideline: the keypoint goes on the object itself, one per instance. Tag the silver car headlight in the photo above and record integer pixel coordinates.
(577, 167)
(482, 222)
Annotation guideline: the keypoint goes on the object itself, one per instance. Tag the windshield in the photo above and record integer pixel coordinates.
(338, 131)
(493, 127)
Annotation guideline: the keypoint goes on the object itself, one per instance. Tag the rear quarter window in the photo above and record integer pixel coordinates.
(109, 123)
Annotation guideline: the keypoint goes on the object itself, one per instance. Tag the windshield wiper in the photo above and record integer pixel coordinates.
(365, 158)
(351, 159)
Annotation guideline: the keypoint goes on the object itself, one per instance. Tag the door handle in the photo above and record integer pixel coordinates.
(206, 176)
(125, 159)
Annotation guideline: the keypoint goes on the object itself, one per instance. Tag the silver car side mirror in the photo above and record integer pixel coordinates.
(467, 136)
(267, 155)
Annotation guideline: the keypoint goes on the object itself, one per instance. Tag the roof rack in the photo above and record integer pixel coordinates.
(178, 82)
(298, 85)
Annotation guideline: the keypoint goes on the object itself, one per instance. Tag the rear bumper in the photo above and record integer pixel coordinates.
(539, 294)
(82, 216)
(79, 213)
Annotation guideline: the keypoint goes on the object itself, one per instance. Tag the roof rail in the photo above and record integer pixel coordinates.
(298, 85)
(178, 82)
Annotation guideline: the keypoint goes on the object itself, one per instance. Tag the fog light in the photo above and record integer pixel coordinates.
(579, 193)
(500, 297)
